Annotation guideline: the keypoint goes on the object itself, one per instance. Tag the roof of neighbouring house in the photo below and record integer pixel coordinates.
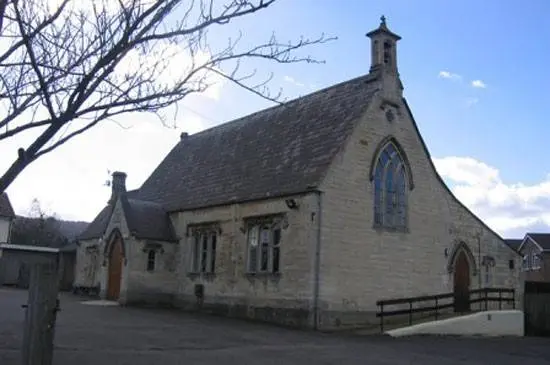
(514, 243)
(279, 151)
(6, 210)
(542, 239)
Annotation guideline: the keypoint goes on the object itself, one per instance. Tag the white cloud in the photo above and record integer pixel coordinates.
(293, 81)
(70, 180)
(510, 209)
(449, 75)
(479, 84)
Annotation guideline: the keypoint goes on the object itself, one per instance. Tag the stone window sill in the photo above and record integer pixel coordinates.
(263, 275)
(381, 228)
(204, 275)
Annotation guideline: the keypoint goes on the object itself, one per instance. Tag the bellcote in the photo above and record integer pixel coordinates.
(383, 48)
(384, 60)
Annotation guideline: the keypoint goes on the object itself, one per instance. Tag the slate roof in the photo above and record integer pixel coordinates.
(514, 243)
(6, 209)
(148, 220)
(97, 227)
(278, 151)
(145, 220)
(542, 239)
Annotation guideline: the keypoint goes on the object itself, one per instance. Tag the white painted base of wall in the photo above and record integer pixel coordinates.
(490, 323)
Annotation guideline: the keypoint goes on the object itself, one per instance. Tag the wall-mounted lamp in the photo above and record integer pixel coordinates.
(291, 204)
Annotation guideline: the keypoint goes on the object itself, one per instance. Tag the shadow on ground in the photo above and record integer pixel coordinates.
(99, 334)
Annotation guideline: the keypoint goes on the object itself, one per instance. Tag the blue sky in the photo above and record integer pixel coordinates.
(488, 142)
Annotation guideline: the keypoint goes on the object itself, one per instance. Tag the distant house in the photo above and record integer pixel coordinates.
(535, 251)
(6, 218)
(305, 213)
(8, 269)
(49, 232)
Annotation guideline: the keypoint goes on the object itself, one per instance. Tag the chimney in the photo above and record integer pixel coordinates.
(118, 185)
(183, 136)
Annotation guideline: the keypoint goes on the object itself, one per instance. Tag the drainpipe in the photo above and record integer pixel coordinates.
(317, 263)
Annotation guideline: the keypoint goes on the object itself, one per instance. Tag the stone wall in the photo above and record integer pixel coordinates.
(156, 287)
(361, 264)
(285, 297)
(88, 262)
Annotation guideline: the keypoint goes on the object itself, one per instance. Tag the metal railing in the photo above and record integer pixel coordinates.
(437, 303)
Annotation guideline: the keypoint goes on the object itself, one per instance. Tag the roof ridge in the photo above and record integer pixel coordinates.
(368, 77)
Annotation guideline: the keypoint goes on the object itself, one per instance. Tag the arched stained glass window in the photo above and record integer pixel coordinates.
(390, 189)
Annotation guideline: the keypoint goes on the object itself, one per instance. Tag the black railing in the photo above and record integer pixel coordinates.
(436, 303)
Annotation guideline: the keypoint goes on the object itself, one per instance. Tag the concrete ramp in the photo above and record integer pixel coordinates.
(489, 323)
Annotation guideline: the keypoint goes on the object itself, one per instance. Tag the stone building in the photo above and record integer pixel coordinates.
(305, 214)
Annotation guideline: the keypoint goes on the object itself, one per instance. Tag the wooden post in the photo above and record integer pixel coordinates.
(42, 304)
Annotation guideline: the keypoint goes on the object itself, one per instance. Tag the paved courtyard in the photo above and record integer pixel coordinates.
(95, 334)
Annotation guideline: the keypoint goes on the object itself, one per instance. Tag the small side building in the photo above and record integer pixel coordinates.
(9, 269)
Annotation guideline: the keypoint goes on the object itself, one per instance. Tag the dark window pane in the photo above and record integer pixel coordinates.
(213, 252)
(196, 253)
(389, 195)
(253, 258)
(276, 236)
(151, 261)
(204, 254)
(264, 253)
(276, 258)
(378, 193)
(383, 159)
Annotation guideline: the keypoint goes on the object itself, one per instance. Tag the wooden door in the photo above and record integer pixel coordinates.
(536, 308)
(462, 283)
(115, 270)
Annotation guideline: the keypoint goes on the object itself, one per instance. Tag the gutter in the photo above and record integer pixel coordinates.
(317, 263)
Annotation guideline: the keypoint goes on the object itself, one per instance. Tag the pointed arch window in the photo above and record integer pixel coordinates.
(390, 188)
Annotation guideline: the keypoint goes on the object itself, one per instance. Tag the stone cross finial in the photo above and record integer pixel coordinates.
(383, 20)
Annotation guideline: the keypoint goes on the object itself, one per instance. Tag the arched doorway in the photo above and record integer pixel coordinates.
(115, 268)
(461, 283)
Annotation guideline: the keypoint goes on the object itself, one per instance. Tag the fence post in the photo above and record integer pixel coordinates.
(499, 300)
(436, 308)
(486, 298)
(410, 312)
(513, 298)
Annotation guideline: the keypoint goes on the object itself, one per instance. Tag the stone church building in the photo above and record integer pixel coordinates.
(305, 213)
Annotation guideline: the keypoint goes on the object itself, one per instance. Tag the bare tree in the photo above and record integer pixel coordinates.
(67, 65)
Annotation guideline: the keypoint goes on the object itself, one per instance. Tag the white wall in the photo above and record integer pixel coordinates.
(490, 323)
